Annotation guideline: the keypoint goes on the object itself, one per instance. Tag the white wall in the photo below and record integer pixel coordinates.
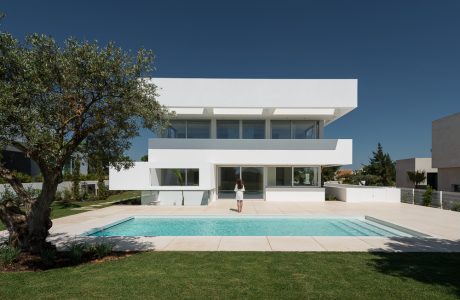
(341, 155)
(248, 93)
(66, 185)
(363, 194)
(295, 194)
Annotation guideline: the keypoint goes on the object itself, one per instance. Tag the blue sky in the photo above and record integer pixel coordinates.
(405, 54)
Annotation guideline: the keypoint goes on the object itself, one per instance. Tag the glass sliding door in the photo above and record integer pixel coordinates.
(253, 178)
(226, 181)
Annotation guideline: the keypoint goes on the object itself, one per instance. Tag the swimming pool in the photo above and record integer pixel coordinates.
(247, 226)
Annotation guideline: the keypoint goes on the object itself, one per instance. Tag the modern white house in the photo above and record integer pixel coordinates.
(268, 132)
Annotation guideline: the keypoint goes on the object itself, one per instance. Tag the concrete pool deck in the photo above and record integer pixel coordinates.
(442, 226)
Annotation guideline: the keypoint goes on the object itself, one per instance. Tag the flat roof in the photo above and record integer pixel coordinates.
(323, 99)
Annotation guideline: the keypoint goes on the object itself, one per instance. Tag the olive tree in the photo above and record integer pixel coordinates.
(56, 99)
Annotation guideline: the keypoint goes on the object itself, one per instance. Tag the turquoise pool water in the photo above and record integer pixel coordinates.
(245, 226)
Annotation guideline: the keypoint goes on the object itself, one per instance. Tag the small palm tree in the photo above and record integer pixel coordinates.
(416, 177)
(180, 179)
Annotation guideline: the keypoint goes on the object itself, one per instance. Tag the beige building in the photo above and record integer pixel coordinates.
(446, 152)
(415, 164)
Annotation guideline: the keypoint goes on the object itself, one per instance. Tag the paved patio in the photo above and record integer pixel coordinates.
(443, 227)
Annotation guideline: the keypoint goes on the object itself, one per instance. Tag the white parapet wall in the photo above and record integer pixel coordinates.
(295, 194)
(363, 194)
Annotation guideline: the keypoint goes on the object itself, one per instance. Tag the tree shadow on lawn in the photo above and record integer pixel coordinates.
(67, 204)
(427, 260)
(62, 241)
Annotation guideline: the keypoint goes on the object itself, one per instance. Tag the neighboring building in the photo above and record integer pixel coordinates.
(14, 159)
(446, 152)
(415, 164)
(269, 132)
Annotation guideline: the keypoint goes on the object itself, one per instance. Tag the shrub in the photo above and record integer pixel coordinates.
(427, 195)
(48, 257)
(76, 252)
(100, 250)
(456, 207)
(66, 195)
(330, 198)
(8, 254)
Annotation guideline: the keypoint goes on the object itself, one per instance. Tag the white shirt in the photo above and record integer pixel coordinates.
(239, 192)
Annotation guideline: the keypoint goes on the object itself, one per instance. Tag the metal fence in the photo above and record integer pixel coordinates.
(439, 199)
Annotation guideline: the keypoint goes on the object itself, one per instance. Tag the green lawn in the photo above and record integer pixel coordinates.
(230, 275)
(59, 210)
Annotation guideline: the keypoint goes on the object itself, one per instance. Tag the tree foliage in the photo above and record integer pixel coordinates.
(328, 174)
(56, 98)
(416, 177)
(380, 171)
(381, 166)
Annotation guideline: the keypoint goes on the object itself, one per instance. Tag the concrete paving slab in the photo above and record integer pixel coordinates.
(194, 243)
(244, 243)
(294, 243)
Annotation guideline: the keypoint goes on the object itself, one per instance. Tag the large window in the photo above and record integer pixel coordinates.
(301, 129)
(280, 176)
(305, 176)
(281, 129)
(191, 129)
(293, 176)
(179, 177)
(228, 129)
(198, 129)
(177, 129)
(253, 129)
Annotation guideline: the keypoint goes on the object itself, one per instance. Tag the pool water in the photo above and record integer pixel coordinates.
(245, 226)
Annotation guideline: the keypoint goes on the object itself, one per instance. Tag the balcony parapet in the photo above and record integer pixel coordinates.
(245, 144)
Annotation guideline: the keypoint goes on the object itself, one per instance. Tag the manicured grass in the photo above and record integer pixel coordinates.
(59, 209)
(232, 275)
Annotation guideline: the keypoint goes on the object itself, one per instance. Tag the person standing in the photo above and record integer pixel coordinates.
(239, 189)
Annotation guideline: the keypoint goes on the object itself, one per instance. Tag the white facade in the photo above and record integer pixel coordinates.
(269, 132)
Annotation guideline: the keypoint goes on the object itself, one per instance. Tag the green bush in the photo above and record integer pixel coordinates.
(100, 250)
(76, 252)
(330, 198)
(8, 254)
(48, 257)
(427, 195)
(456, 207)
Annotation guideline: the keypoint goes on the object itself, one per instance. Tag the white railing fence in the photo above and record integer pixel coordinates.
(439, 199)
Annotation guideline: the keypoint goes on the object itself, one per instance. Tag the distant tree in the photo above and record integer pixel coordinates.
(145, 157)
(416, 177)
(328, 174)
(381, 165)
(358, 177)
(102, 192)
(76, 179)
(54, 98)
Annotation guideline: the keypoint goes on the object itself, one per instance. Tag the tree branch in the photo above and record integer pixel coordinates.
(16, 184)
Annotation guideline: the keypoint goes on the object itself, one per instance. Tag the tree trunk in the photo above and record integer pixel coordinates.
(16, 223)
(38, 215)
